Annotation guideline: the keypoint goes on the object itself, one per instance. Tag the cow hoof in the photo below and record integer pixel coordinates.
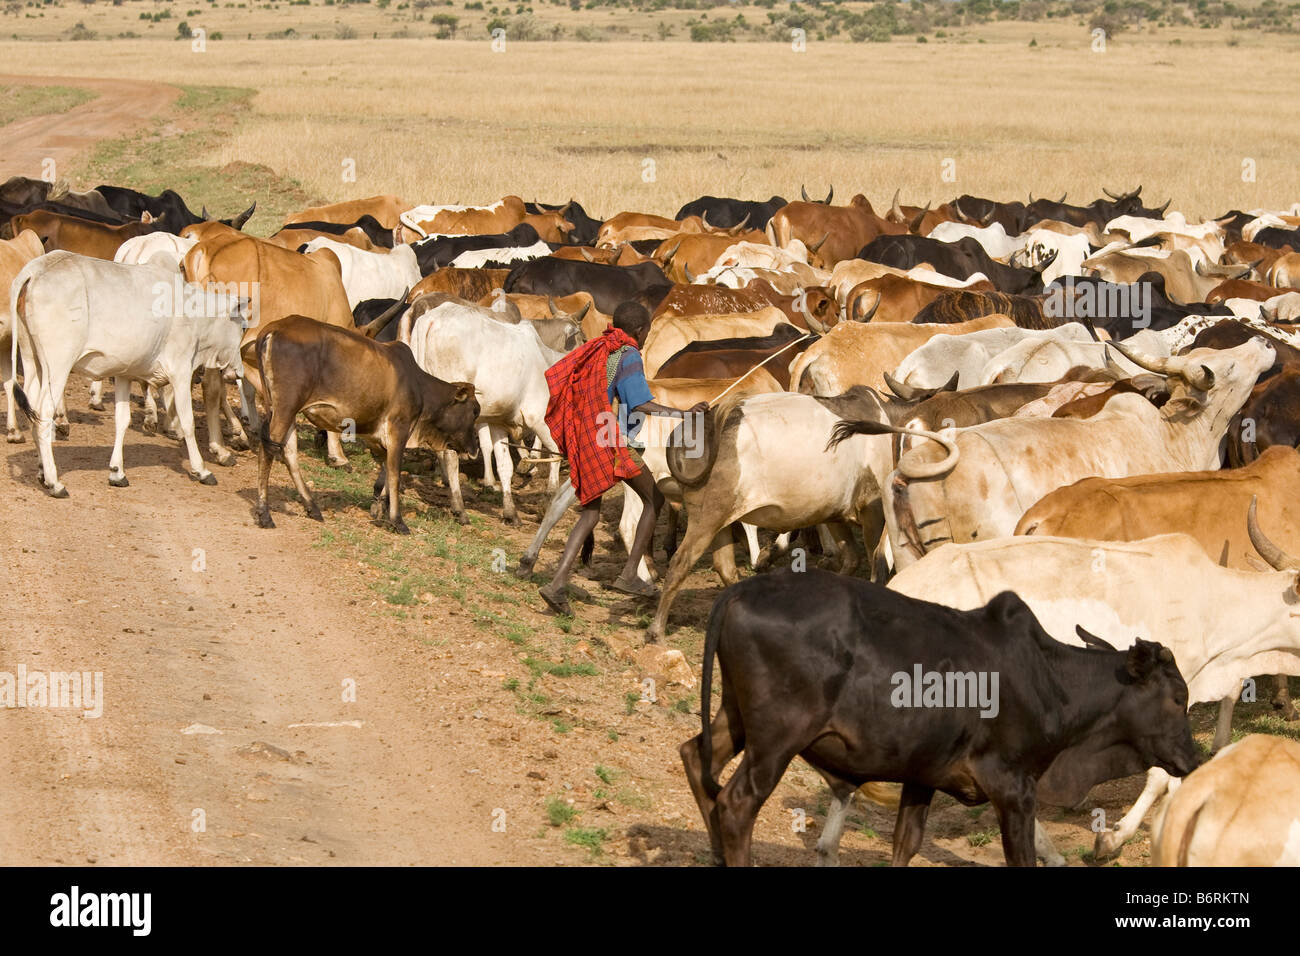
(653, 634)
(1287, 708)
(1108, 845)
(226, 460)
(238, 443)
(208, 479)
(525, 569)
(149, 427)
(398, 527)
(174, 435)
(341, 463)
(377, 508)
(58, 492)
(119, 482)
(264, 520)
(15, 437)
(97, 406)
(511, 520)
(462, 518)
(62, 430)
(315, 515)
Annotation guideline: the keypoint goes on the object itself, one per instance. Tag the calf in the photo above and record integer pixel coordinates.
(336, 378)
(811, 666)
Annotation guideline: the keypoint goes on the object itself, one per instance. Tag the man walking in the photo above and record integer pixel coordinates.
(583, 385)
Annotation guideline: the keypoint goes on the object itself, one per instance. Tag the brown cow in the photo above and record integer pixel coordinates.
(294, 238)
(468, 284)
(718, 299)
(685, 256)
(95, 239)
(891, 298)
(336, 378)
(14, 254)
(729, 364)
(831, 233)
(1240, 289)
(501, 216)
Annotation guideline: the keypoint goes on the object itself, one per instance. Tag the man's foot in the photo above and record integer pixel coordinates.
(555, 599)
(634, 586)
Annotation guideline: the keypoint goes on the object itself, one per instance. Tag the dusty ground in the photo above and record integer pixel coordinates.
(196, 617)
(481, 730)
(118, 107)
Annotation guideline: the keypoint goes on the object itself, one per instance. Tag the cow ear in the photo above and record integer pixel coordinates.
(1092, 640)
(1007, 607)
(1142, 659)
(464, 392)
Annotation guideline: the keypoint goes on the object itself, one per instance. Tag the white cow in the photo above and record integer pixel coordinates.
(993, 238)
(479, 258)
(372, 275)
(1223, 625)
(1063, 254)
(934, 363)
(76, 313)
(507, 365)
(1049, 359)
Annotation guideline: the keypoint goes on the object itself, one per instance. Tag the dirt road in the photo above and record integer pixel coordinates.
(120, 107)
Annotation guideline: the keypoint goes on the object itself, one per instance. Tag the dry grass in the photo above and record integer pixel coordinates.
(456, 122)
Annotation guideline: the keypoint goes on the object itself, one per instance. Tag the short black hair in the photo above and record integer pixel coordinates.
(631, 317)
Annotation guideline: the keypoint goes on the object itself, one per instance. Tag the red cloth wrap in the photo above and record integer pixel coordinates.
(581, 421)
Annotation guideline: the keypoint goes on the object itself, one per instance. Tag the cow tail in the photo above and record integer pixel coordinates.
(711, 638)
(693, 470)
(263, 346)
(15, 294)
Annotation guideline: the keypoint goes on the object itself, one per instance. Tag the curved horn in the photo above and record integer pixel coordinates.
(1062, 199)
(957, 209)
(668, 259)
(244, 216)
(1159, 366)
(708, 226)
(895, 210)
(1201, 377)
(204, 214)
(812, 249)
(550, 304)
(1031, 198)
(686, 269)
(740, 226)
(915, 224)
(1112, 195)
(577, 317)
(585, 254)
(829, 196)
(378, 324)
(870, 315)
(1270, 552)
(1161, 209)
(905, 392)
(1197, 267)
(813, 324)
(804, 193)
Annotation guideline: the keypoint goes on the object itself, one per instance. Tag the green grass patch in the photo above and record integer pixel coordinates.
(21, 101)
(590, 838)
(558, 813)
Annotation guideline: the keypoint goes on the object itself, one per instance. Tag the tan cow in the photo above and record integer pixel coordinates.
(14, 254)
(281, 283)
(86, 238)
(856, 354)
(386, 209)
(1240, 809)
(500, 216)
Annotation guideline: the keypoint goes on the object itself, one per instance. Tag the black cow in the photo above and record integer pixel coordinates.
(1122, 309)
(609, 286)
(960, 259)
(27, 194)
(819, 665)
(1276, 238)
(723, 213)
(133, 204)
(1011, 216)
(584, 229)
(377, 234)
(376, 318)
(438, 251)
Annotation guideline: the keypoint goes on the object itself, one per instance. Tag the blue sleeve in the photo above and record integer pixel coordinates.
(630, 386)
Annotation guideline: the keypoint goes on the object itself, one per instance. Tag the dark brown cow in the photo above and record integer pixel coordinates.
(81, 236)
(1271, 416)
(1231, 333)
(338, 379)
(961, 305)
(698, 361)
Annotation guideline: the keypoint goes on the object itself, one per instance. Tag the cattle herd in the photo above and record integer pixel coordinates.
(1046, 446)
